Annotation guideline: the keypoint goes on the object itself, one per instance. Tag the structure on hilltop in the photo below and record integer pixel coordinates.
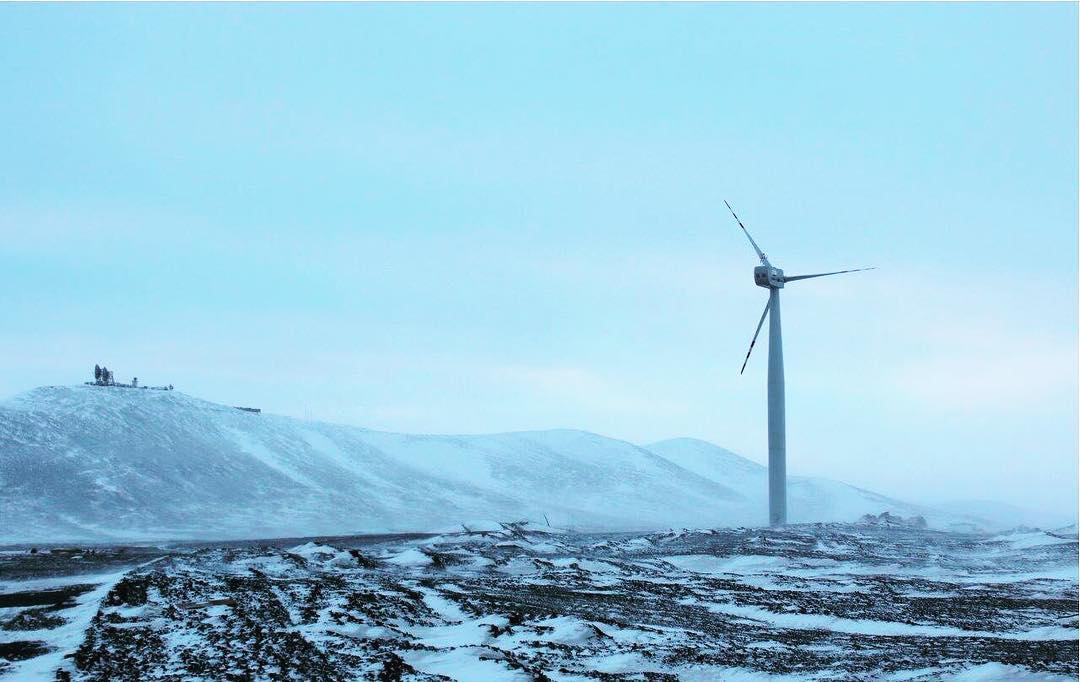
(103, 376)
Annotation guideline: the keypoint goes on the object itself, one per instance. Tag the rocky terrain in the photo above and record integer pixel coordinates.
(521, 602)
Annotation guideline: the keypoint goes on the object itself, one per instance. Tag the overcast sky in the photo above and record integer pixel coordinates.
(473, 218)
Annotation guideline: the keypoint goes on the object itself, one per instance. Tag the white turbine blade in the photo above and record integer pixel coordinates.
(756, 332)
(795, 278)
(747, 233)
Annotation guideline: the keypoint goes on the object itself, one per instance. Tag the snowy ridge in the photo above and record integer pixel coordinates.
(810, 499)
(101, 463)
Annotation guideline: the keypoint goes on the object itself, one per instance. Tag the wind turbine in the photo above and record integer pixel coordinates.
(773, 279)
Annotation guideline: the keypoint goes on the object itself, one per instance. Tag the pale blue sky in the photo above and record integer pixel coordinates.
(468, 218)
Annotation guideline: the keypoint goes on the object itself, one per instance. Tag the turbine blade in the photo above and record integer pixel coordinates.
(795, 278)
(747, 233)
(754, 340)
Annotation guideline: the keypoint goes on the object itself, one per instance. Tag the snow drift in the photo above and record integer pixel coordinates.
(100, 463)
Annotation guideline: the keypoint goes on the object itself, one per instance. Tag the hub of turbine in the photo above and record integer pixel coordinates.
(769, 277)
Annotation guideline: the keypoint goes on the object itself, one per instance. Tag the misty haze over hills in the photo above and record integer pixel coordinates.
(103, 463)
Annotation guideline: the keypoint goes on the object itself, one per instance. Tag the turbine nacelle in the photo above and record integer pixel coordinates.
(769, 277)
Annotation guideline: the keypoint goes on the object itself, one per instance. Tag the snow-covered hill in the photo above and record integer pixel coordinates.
(809, 499)
(87, 462)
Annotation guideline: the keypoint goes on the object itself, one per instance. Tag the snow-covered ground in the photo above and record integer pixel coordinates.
(523, 602)
(98, 463)
(44, 620)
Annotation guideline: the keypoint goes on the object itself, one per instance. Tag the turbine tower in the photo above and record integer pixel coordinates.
(773, 279)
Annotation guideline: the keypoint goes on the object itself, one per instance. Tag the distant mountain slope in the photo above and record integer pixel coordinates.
(87, 462)
(809, 499)
(713, 462)
(990, 513)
